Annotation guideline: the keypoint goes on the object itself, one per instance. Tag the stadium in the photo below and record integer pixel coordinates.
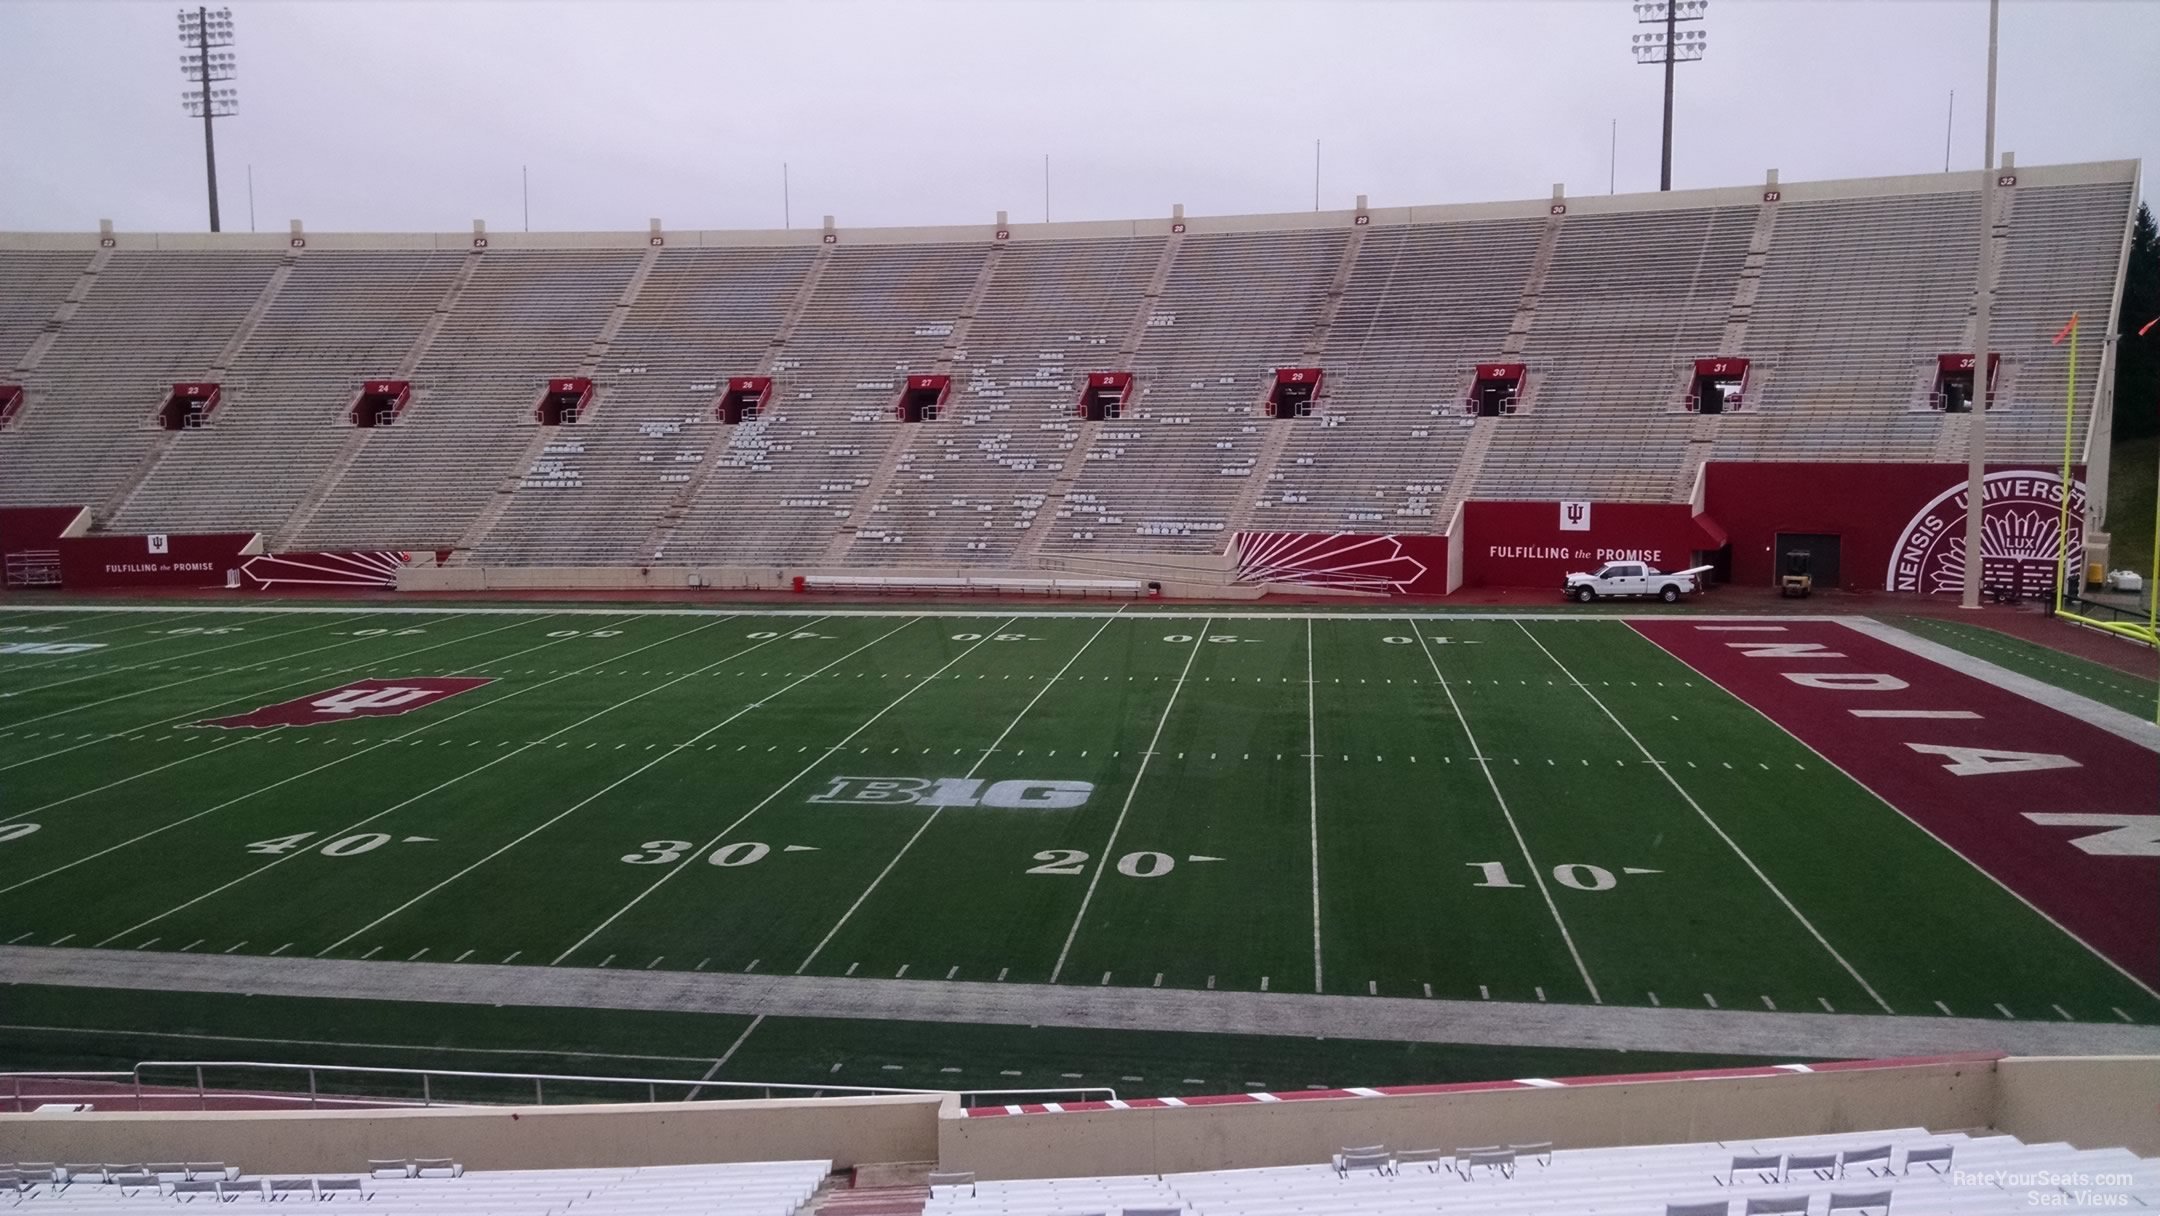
(1595, 701)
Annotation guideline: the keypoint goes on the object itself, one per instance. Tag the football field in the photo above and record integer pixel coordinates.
(1544, 808)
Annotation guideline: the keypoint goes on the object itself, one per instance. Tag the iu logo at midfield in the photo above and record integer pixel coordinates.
(359, 699)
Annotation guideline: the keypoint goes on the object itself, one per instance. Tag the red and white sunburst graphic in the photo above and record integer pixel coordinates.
(1318, 559)
(2020, 535)
(349, 568)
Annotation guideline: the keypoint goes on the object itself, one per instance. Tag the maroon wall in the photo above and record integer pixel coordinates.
(1524, 544)
(1885, 511)
(127, 561)
(34, 527)
(1384, 563)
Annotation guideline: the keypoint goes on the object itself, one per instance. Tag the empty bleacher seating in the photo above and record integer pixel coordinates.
(1841, 297)
(424, 1187)
(1911, 1172)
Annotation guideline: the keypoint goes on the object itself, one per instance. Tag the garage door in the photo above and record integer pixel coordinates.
(1822, 551)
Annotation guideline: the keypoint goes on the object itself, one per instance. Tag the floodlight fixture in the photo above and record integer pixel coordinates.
(1668, 47)
(200, 30)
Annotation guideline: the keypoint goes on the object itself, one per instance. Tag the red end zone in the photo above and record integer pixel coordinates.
(2058, 810)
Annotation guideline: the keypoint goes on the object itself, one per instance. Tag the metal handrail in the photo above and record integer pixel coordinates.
(539, 1081)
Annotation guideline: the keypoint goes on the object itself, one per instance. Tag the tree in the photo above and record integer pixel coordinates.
(2137, 360)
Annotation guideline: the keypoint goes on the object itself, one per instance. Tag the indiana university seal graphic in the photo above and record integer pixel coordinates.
(2020, 535)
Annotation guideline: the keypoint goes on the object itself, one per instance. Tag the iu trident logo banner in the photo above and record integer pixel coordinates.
(359, 699)
(1574, 517)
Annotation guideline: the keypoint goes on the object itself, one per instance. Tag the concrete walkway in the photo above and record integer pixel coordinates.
(1497, 1023)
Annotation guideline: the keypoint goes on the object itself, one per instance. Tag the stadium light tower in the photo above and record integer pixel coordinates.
(1670, 46)
(202, 31)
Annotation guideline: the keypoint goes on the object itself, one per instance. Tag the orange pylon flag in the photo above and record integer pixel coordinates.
(2065, 331)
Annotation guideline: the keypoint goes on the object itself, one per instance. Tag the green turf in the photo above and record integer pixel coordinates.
(2096, 681)
(1280, 802)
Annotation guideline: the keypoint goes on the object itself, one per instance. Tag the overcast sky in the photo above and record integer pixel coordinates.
(384, 116)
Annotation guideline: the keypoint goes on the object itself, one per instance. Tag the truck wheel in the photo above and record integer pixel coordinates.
(1584, 595)
(1670, 594)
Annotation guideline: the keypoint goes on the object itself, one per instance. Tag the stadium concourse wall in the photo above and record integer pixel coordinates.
(2090, 1102)
(1896, 527)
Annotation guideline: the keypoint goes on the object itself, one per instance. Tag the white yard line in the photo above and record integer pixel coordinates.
(283, 781)
(725, 1056)
(610, 787)
(109, 651)
(439, 787)
(2125, 972)
(1665, 771)
(1103, 862)
(1537, 872)
(783, 787)
(1312, 782)
(980, 760)
(104, 651)
(185, 718)
(189, 680)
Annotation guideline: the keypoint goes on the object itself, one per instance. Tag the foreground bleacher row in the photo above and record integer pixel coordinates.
(1910, 1172)
(419, 1188)
(1842, 296)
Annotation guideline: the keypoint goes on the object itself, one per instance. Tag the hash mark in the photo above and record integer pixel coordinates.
(229, 949)
(372, 953)
(1001, 974)
(1484, 993)
(2119, 1013)
(1263, 983)
(701, 964)
(274, 953)
(2064, 1012)
(851, 968)
(1541, 994)
(955, 970)
(416, 955)
(1769, 1004)
(1105, 980)
(1654, 1001)
(462, 957)
(1945, 1009)
(1710, 1000)
(1826, 1004)
(2005, 1012)
(513, 954)
(752, 967)
(902, 973)
(1428, 989)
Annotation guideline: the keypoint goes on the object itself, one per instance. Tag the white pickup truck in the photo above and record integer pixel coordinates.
(1634, 578)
